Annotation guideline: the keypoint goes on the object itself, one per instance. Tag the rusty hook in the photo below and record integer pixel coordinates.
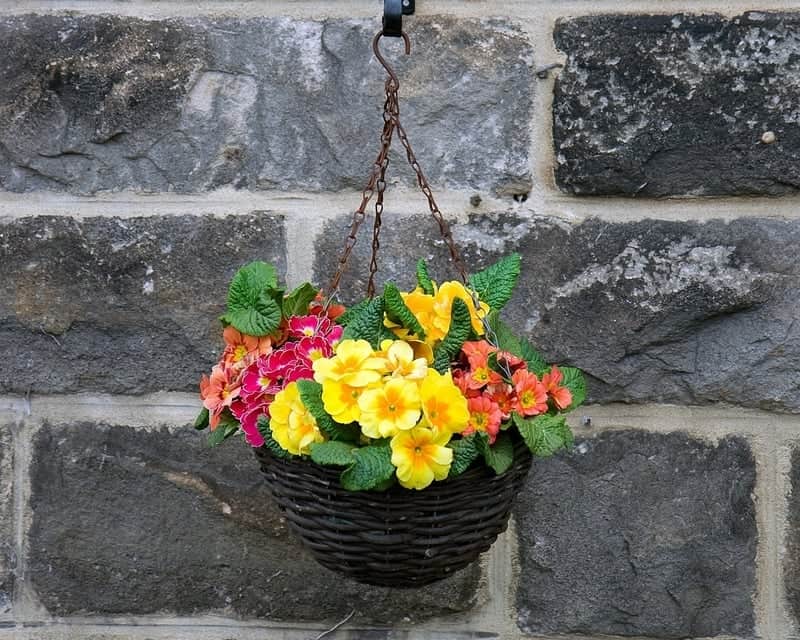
(376, 50)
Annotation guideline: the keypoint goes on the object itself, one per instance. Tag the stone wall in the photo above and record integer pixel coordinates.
(148, 149)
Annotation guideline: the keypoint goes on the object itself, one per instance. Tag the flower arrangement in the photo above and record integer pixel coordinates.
(406, 388)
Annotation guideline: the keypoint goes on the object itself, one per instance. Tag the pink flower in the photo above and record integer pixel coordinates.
(314, 348)
(308, 326)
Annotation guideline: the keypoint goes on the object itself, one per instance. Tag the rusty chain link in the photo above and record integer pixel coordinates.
(377, 184)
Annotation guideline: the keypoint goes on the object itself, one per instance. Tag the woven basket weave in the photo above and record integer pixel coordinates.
(399, 537)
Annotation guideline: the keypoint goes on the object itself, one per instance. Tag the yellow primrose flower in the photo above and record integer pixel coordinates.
(341, 401)
(388, 409)
(443, 404)
(421, 305)
(401, 360)
(443, 305)
(353, 364)
(293, 427)
(421, 457)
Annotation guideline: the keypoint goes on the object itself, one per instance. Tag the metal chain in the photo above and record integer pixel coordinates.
(391, 108)
(377, 184)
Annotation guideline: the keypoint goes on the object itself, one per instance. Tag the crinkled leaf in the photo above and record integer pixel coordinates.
(334, 454)
(201, 422)
(345, 318)
(269, 442)
(465, 452)
(367, 324)
(311, 396)
(296, 303)
(495, 284)
(500, 455)
(372, 467)
(252, 308)
(398, 312)
(576, 383)
(457, 334)
(533, 358)
(544, 434)
(504, 336)
(423, 279)
(260, 318)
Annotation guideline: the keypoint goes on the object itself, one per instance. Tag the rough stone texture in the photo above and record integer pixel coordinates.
(97, 103)
(136, 522)
(120, 305)
(660, 311)
(640, 534)
(661, 105)
(6, 520)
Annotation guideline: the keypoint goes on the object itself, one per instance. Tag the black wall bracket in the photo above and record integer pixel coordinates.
(393, 12)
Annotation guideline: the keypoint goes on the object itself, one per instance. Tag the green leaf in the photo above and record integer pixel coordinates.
(368, 324)
(500, 455)
(372, 467)
(334, 454)
(225, 429)
(465, 452)
(201, 422)
(252, 308)
(423, 279)
(506, 340)
(460, 325)
(296, 303)
(352, 312)
(533, 358)
(544, 434)
(311, 396)
(495, 284)
(576, 383)
(269, 442)
(397, 311)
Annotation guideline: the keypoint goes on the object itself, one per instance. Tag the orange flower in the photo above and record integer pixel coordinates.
(503, 396)
(531, 394)
(218, 393)
(242, 349)
(560, 395)
(484, 415)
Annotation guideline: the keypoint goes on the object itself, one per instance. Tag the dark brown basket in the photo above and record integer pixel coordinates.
(399, 537)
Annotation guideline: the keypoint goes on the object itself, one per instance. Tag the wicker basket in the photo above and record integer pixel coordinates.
(399, 537)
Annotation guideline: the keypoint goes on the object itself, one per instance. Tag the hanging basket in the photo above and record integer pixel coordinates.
(399, 537)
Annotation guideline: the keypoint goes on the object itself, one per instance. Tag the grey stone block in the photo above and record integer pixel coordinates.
(134, 521)
(121, 305)
(7, 552)
(638, 534)
(98, 103)
(678, 105)
(653, 311)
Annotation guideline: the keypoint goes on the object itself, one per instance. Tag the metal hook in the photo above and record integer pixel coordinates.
(376, 50)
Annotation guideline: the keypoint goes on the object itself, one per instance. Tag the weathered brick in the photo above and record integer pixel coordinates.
(651, 310)
(133, 521)
(97, 103)
(638, 534)
(670, 105)
(120, 305)
(6, 519)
